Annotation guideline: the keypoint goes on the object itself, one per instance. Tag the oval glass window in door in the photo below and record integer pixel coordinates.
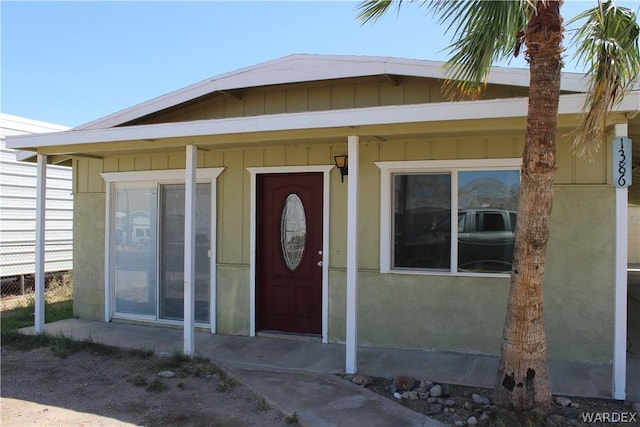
(293, 231)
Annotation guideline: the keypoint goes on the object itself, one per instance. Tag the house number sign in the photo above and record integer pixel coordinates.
(621, 162)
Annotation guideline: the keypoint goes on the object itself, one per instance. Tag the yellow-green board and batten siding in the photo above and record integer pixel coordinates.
(317, 96)
(446, 313)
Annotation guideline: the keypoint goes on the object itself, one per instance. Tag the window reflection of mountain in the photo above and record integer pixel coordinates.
(485, 192)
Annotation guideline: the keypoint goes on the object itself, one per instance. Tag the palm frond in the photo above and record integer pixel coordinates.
(484, 32)
(372, 10)
(607, 46)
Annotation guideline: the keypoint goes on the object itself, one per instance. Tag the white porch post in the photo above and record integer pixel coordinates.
(352, 257)
(108, 259)
(41, 194)
(189, 249)
(620, 296)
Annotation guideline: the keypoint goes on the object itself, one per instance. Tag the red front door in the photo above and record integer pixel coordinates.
(288, 253)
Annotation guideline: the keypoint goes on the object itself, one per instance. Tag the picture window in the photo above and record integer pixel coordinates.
(425, 199)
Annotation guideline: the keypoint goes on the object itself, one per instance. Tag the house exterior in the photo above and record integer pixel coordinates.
(634, 235)
(18, 201)
(225, 195)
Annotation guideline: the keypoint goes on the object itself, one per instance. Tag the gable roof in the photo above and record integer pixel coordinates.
(299, 68)
(116, 132)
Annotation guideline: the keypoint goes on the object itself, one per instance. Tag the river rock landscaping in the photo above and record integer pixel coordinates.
(462, 406)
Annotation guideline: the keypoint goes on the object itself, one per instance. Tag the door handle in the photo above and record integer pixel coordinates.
(319, 264)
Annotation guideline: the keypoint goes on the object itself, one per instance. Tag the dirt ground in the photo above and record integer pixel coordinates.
(83, 388)
(39, 388)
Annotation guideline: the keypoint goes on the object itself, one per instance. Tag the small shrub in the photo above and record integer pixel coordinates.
(206, 369)
(292, 419)
(217, 370)
(139, 381)
(262, 403)
(227, 385)
(171, 363)
(156, 386)
(185, 366)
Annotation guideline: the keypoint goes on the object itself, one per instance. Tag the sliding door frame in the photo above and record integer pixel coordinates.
(159, 177)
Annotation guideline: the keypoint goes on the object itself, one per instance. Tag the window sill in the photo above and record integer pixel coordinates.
(447, 273)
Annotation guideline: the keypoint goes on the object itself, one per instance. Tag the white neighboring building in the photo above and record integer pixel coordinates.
(18, 206)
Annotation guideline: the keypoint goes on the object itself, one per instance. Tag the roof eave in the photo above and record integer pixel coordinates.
(387, 115)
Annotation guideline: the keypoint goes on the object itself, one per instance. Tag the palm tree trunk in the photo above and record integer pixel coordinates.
(523, 381)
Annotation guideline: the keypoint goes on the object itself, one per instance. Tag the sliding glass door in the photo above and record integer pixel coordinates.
(135, 249)
(171, 252)
(148, 258)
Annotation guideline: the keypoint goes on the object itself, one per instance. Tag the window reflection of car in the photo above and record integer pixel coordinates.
(423, 239)
(485, 239)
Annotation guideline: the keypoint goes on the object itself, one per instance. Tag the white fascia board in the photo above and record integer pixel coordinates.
(575, 82)
(387, 115)
(575, 103)
(307, 68)
(278, 122)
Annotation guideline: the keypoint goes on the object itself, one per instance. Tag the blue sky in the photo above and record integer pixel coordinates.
(73, 62)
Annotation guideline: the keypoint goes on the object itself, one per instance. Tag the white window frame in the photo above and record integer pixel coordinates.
(156, 177)
(387, 169)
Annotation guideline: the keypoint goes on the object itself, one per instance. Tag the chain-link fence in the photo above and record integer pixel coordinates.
(26, 283)
(17, 265)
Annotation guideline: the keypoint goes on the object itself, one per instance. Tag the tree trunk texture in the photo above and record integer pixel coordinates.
(522, 381)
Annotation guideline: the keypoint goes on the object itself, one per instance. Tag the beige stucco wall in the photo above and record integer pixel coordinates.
(88, 255)
(579, 282)
(461, 314)
(233, 299)
(466, 314)
(411, 311)
(634, 235)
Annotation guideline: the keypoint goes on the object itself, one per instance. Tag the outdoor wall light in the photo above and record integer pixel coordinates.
(342, 163)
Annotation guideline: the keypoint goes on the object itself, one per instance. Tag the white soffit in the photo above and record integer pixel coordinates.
(306, 68)
(386, 115)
